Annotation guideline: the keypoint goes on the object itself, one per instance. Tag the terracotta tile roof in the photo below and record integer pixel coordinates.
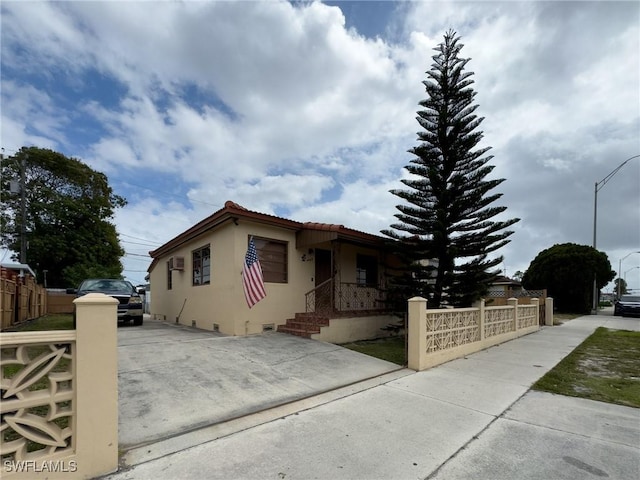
(329, 227)
(234, 212)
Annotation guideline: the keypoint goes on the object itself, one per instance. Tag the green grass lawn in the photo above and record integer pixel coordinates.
(391, 349)
(60, 321)
(605, 367)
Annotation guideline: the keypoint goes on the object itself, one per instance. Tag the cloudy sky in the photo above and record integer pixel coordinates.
(306, 110)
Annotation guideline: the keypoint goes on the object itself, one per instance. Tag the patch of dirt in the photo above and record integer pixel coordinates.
(579, 389)
(596, 366)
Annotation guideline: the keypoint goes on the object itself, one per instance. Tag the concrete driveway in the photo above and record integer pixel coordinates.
(471, 418)
(173, 379)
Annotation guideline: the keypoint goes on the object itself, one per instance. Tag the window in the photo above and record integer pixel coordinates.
(366, 270)
(273, 259)
(201, 262)
(169, 282)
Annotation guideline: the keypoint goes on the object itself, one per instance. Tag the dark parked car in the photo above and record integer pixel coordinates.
(627, 306)
(131, 304)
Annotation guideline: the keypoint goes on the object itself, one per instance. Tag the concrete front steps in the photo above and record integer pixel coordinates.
(304, 324)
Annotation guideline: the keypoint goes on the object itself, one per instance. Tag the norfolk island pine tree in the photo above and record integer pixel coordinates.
(447, 216)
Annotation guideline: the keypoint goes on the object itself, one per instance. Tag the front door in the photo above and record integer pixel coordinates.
(323, 273)
(323, 266)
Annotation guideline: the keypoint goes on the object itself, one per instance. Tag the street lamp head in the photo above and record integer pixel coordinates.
(632, 268)
(630, 253)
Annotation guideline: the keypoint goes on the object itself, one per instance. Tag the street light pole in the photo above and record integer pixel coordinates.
(620, 269)
(598, 186)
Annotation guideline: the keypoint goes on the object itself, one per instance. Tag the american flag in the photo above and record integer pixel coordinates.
(252, 280)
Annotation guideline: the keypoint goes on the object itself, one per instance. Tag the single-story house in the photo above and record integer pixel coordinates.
(19, 269)
(322, 281)
(504, 285)
(504, 288)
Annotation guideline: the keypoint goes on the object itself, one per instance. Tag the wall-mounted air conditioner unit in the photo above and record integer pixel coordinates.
(178, 263)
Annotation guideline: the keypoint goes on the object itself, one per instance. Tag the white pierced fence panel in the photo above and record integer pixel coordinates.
(527, 316)
(498, 320)
(37, 400)
(452, 328)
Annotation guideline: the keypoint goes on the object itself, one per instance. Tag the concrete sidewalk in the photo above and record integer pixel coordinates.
(469, 418)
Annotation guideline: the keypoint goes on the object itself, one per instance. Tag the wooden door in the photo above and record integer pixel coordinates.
(323, 266)
(323, 295)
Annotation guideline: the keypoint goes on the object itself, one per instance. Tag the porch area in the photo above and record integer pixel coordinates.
(340, 312)
(348, 300)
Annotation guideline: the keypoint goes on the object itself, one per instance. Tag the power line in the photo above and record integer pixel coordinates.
(139, 238)
(181, 196)
(145, 261)
(137, 243)
(147, 212)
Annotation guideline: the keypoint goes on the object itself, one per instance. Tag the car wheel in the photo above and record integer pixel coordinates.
(137, 321)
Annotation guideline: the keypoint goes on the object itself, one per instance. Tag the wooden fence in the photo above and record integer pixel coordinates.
(21, 299)
(59, 301)
(500, 298)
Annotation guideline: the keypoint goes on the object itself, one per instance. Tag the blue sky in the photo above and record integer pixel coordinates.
(307, 109)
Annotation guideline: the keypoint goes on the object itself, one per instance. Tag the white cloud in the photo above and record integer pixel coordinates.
(279, 107)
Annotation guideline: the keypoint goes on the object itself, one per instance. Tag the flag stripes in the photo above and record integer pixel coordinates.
(252, 280)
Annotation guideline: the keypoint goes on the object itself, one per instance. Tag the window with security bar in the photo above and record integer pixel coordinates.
(201, 262)
(366, 270)
(273, 259)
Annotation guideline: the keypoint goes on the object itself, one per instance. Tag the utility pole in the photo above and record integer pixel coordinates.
(23, 211)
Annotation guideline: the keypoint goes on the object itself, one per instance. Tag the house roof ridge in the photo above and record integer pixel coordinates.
(229, 204)
(232, 204)
(233, 211)
(323, 226)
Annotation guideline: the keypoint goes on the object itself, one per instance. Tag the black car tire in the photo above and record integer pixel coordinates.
(138, 320)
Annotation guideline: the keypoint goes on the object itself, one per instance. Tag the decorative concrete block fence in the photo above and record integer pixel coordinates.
(60, 397)
(439, 335)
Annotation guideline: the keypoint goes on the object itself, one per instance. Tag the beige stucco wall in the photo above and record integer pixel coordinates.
(348, 261)
(353, 329)
(222, 301)
(283, 299)
(199, 305)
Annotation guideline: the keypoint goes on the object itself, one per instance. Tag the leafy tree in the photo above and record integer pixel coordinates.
(566, 271)
(68, 211)
(622, 288)
(446, 227)
(518, 275)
